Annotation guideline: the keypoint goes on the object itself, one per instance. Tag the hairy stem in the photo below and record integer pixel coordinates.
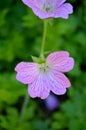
(43, 39)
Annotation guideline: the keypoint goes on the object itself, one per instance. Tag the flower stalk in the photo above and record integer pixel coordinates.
(43, 39)
(24, 106)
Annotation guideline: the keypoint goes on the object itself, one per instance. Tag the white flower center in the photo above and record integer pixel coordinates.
(43, 67)
(47, 6)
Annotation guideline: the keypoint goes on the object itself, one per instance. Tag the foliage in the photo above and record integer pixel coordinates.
(20, 37)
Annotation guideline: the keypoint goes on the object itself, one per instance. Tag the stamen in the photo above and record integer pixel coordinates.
(43, 67)
(47, 7)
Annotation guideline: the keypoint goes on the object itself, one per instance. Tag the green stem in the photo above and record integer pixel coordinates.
(43, 39)
(23, 109)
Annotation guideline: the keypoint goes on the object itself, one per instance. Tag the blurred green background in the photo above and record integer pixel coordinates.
(20, 37)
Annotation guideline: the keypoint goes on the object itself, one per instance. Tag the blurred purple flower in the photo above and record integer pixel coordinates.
(51, 102)
(50, 8)
(45, 77)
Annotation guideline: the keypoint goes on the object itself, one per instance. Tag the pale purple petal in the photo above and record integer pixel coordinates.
(42, 14)
(57, 8)
(51, 102)
(36, 5)
(57, 87)
(40, 87)
(30, 3)
(59, 2)
(60, 61)
(57, 57)
(62, 79)
(63, 11)
(39, 3)
(66, 66)
(58, 91)
(27, 72)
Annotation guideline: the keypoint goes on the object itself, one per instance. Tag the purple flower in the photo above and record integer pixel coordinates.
(50, 8)
(45, 77)
(51, 102)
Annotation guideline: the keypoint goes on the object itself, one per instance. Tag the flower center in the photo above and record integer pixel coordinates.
(43, 67)
(47, 6)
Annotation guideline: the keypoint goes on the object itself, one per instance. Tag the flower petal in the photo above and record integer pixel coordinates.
(52, 102)
(41, 14)
(66, 66)
(57, 86)
(36, 6)
(59, 2)
(60, 61)
(63, 10)
(40, 87)
(57, 57)
(26, 72)
(62, 79)
(29, 3)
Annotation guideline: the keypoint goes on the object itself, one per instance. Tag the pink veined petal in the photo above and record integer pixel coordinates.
(36, 7)
(57, 86)
(31, 3)
(59, 9)
(62, 79)
(50, 2)
(34, 4)
(59, 2)
(65, 66)
(59, 61)
(41, 14)
(26, 72)
(63, 11)
(40, 87)
(57, 58)
(58, 91)
(39, 3)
